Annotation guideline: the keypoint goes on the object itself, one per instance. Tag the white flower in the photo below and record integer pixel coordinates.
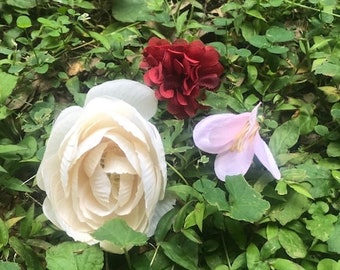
(105, 161)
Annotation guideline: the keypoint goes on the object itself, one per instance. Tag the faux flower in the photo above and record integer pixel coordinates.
(104, 161)
(235, 139)
(180, 72)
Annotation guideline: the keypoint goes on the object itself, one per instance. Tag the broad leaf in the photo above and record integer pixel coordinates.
(292, 243)
(182, 251)
(74, 256)
(245, 203)
(334, 239)
(278, 34)
(131, 10)
(9, 266)
(7, 85)
(117, 232)
(284, 137)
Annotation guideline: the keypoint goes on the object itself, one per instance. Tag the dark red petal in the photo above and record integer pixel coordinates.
(166, 93)
(155, 75)
(211, 81)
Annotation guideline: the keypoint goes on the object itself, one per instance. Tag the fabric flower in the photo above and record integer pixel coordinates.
(180, 72)
(235, 139)
(105, 161)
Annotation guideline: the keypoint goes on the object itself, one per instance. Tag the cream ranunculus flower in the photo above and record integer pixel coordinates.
(105, 161)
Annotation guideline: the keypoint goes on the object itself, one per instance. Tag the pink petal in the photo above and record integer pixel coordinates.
(264, 155)
(214, 133)
(234, 162)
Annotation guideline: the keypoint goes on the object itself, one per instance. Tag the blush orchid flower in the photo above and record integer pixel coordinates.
(235, 139)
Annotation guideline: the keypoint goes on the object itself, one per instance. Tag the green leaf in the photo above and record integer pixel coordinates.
(4, 235)
(256, 14)
(22, 4)
(30, 258)
(73, 87)
(192, 235)
(277, 49)
(4, 112)
(165, 224)
(259, 41)
(328, 69)
(180, 22)
(333, 149)
(24, 22)
(184, 192)
(131, 10)
(284, 264)
(331, 92)
(212, 194)
(292, 243)
(252, 74)
(117, 232)
(7, 85)
(9, 266)
(173, 129)
(236, 230)
(294, 206)
(182, 251)
(334, 239)
(328, 264)
(181, 216)
(245, 203)
(239, 262)
(253, 256)
(321, 226)
(74, 256)
(269, 248)
(320, 178)
(335, 111)
(284, 137)
(10, 148)
(216, 197)
(278, 34)
(14, 184)
(199, 214)
(100, 38)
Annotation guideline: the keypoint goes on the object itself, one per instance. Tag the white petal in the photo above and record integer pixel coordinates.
(92, 159)
(114, 163)
(265, 156)
(64, 122)
(130, 194)
(100, 186)
(161, 209)
(134, 93)
(61, 127)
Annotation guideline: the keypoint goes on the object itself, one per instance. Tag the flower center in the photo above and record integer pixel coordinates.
(244, 136)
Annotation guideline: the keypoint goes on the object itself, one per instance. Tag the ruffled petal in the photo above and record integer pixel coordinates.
(64, 122)
(233, 162)
(134, 93)
(214, 133)
(161, 209)
(265, 156)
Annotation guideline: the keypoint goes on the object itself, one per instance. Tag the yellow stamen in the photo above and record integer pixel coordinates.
(246, 134)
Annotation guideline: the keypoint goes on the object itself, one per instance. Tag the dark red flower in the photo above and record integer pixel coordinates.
(180, 72)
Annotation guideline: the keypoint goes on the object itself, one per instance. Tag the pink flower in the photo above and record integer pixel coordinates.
(235, 139)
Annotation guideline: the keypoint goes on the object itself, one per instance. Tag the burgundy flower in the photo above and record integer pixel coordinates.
(180, 72)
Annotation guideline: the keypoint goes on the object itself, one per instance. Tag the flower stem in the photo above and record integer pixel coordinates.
(178, 173)
(226, 251)
(128, 259)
